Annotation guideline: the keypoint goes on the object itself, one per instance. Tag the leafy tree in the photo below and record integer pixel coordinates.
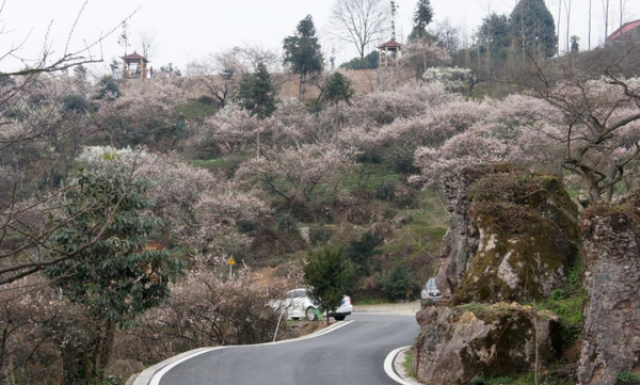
(115, 278)
(494, 38)
(338, 89)
(361, 252)
(369, 62)
(575, 44)
(328, 277)
(108, 87)
(75, 104)
(421, 19)
(533, 29)
(257, 93)
(303, 52)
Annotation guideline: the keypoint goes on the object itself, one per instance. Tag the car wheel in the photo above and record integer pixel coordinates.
(311, 313)
(340, 317)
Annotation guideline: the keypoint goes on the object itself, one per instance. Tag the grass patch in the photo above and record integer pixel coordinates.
(408, 363)
(370, 301)
(197, 110)
(628, 378)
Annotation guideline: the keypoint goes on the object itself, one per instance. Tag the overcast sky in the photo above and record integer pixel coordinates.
(186, 30)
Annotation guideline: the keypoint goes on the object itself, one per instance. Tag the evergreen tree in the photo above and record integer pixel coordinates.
(303, 52)
(369, 62)
(257, 92)
(328, 277)
(115, 278)
(533, 29)
(494, 40)
(338, 89)
(575, 44)
(421, 19)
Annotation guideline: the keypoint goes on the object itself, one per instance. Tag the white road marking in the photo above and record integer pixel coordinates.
(388, 366)
(156, 377)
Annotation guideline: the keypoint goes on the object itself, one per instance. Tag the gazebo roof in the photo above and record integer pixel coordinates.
(134, 57)
(390, 44)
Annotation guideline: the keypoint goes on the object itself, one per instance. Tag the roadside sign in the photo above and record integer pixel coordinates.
(231, 261)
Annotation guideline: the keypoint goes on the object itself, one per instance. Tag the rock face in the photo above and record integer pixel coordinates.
(611, 327)
(459, 344)
(512, 235)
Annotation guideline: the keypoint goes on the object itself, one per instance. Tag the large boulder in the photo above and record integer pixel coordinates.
(611, 326)
(461, 343)
(512, 235)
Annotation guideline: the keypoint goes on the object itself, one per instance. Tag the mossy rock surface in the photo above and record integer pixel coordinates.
(461, 343)
(522, 256)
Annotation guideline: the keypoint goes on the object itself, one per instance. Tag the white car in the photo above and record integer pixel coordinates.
(298, 305)
(430, 292)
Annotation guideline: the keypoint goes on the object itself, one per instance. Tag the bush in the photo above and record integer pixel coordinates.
(399, 285)
(386, 190)
(403, 163)
(74, 103)
(628, 378)
(286, 223)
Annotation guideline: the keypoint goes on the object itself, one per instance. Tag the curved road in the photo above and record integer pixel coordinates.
(353, 354)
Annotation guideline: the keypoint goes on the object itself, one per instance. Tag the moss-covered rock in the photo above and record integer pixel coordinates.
(513, 235)
(459, 344)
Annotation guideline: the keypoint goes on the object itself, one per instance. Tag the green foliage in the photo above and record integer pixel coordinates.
(75, 104)
(400, 285)
(422, 16)
(105, 226)
(286, 223)
(337, 89)
(408, 363)
(108, 87)
(628, 378)
(114, 277)
(494, 36)
(303, 52)
(257, 93)
(328, 277)
(360, 254)
(386, 190)
(533, 28)
(369, 62)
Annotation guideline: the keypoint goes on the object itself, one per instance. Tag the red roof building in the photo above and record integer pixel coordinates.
(135, 66)
(630, 29)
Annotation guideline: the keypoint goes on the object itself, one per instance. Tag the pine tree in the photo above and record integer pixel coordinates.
(303, 52)
(338, 89)
(421, 19)
(257, 92)
(533, 29)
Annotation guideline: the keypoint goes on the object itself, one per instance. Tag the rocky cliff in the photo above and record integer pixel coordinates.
(611, 328)
(512, 235)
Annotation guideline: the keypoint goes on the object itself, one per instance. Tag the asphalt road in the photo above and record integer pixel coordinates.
(353, 355)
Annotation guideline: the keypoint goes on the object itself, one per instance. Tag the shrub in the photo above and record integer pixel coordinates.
(386, 190)
(286, 223)
(74, 103)
(399, 285)
(628, 378)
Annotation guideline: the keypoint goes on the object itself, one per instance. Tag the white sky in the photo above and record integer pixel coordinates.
(186, 30)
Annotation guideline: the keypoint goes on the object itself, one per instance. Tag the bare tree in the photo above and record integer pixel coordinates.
(148, 43)
(23, 214)
(360, 22)
(605, 14)
(220, 73)
(590, 22)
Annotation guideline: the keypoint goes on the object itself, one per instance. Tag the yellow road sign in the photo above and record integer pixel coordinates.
(231, 261)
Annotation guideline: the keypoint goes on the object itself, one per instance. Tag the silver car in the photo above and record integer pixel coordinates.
(430, 293)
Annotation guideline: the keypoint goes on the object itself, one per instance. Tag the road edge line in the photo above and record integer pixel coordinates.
(389, 366)
(153, 375)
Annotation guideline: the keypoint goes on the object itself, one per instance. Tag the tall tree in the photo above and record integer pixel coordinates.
(337, 89)
(494, 40)
(422, 16)
(533, 29)
(360, 22)
(327, 275)
(257, 92)
(114, 279)
(304, 53)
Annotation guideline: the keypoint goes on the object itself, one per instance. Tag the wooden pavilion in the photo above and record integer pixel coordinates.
(390, 52)
(135, 66)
